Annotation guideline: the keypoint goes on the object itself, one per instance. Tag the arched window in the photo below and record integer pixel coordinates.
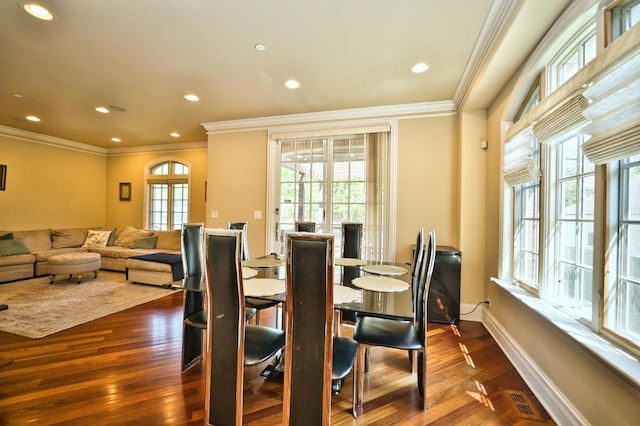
(168, 189)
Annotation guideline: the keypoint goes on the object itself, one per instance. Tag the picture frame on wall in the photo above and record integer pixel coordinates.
(3, 177)
(125, 191)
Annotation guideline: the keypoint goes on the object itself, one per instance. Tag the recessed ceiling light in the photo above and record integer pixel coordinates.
(191, 97)
(32, 118)
(116, 139)
(102, 110)
(260, 47)
(421, 67)
(37, 11)
(175, 135)
(292, 84)
(17, 95)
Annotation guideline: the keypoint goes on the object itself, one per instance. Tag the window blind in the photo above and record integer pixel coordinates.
(565, 117)
(520, 160)
(614, 112)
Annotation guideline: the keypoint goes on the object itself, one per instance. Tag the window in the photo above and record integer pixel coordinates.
(571, 288)
(532, 99)
(622, 16)
(576, 58)
(332, 179)
(622, 315)
(527, 234)
(168, 204)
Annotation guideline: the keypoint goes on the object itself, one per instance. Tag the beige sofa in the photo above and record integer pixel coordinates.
(123, 244)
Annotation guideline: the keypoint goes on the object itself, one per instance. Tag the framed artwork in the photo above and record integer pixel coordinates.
(3, 177)
(125, 191)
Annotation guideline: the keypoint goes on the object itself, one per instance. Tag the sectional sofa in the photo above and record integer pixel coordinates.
(24, 254)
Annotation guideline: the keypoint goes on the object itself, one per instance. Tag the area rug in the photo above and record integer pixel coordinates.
(38, 309)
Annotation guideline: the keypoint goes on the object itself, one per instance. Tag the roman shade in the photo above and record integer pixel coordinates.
(614, 112)
(520, 162)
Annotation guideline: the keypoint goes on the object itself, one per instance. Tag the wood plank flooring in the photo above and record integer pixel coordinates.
(124, 369)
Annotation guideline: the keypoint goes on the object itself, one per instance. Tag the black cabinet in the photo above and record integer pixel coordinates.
(443, 304)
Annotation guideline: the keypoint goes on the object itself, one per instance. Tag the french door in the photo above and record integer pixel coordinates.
(330, 180)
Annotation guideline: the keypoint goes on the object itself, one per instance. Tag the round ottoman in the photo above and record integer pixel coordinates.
(73, 263)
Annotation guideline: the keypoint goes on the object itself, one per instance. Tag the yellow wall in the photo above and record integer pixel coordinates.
(61, 186)
(426, 193)
(238, 184)
(132, 168)
(427, 182)
(51, 187)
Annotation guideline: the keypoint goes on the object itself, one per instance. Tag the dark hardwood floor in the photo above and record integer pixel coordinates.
(124, 369)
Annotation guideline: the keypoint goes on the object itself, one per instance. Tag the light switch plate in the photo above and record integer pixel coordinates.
(257, 214)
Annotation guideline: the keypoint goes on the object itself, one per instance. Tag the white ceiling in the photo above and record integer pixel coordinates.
(144, 55)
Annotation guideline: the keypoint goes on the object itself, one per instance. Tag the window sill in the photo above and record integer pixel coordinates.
(614, 359)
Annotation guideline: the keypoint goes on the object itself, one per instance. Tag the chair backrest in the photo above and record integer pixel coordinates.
(351, 248)
(309, 339)
(424, 281)
(416, 265)
(225, 327)
(305, 227)
(192, 258)
(245, 244)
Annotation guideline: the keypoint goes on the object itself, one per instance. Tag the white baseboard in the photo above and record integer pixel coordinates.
(469, 312)
(560, 410)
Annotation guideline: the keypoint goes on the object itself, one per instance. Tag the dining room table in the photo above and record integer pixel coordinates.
(381, 289)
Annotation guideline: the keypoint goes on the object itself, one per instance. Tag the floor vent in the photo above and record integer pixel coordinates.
(522, 405)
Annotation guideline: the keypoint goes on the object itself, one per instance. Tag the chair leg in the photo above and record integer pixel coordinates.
(360, 376)
(423, 363)
(367, 357)
(354, 397)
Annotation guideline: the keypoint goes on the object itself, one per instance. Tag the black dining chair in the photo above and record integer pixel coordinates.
(232, 344)
(406, 335)
(305, 227)
(194, 321)
(351, 249)
(313, 358)
(242, 226)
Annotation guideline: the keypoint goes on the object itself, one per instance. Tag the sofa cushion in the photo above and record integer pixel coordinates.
(8, 236)
(144, 243)
(65, 238)
(96, 238)
(13, 247)
(129, 235)
(168, 240)
(112, 252)
(16, 260)
(35, 240)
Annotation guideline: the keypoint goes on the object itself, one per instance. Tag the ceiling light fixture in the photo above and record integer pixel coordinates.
(192, 98)
(37, 11)
(292, 84)
(175, 135)
(116, 139)
(102, 110)
(32, 118)
(260, 47)
(421, 67)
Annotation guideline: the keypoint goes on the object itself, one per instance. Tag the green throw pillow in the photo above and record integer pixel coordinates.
(8, 236)
(11, 247)
(144, 243)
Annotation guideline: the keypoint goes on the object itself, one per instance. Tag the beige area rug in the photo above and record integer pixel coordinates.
(38, 309)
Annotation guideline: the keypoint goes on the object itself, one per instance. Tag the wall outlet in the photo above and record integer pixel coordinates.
(488, 301)
(214, 214)
(257, 214)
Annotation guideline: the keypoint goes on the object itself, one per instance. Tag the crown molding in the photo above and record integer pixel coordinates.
(492, 31)
(28, 136)
(391, 111)
(167, 147)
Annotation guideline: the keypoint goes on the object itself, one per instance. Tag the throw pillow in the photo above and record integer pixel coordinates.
(96, 238)
(129, 235)
(65, 238)
(112, 237)
(168, 240)
(8, 236)
(11, 247)
(144, 243)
